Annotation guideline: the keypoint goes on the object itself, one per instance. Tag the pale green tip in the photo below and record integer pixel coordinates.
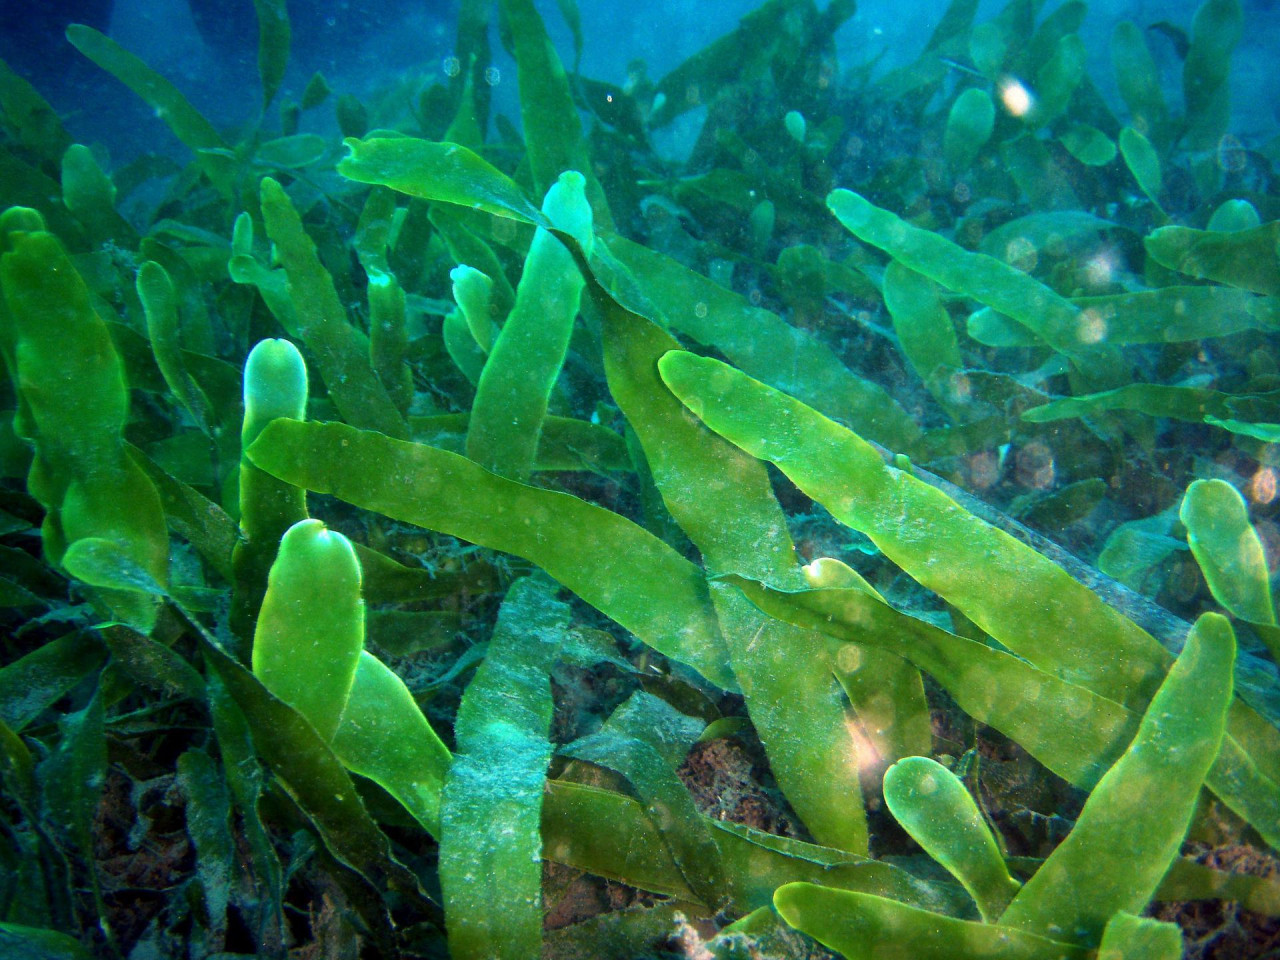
(275, 385)
(567, 207)
(795, 124)
(310, 629)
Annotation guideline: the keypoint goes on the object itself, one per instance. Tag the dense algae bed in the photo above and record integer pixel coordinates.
(491, 541)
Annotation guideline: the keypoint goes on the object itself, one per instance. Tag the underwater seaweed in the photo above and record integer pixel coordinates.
(388, 537)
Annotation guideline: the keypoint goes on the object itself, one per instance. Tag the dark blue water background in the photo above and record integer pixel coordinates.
(365, 47)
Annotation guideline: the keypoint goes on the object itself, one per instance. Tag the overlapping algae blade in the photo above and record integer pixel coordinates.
(447, 506)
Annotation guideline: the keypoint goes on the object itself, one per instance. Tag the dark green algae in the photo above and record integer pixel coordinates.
(570, 581)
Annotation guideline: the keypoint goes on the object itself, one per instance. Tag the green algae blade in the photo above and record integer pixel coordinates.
(1190, 880)
(1132, 549)
(953, 26)
(150, 664)
(885, 690)
(1215, 31)
(969, 125)
(1266, 432)
(1038, 173)
(646, 740)
(566, 443)
(1051, 317)
(33, 189)
(1088, 144)
(1139, 80)
(1228, 550)
(722, 500)
(208, 818)
(186, 122)
(550, 118)
(389, 339)
(383, 735)
(516, 382)
(313, 777)
(622, 843)
(924, 329)
(616, 566)
(1244, 774)
(292, 152)
(959, 556)
(1190, 404)
(310, 629)
(470, 251)
(39, 943)
(341, 351)
(438, 171)
(102, 562)
(30, 119)
(473, 292)
(766, 38)
(72, 776)
(1176, 314)
(988, 49)
(755, 339)
(159, 303)
(490, 811)
(275, 385)
(1068, 728)
(1057, 79)
(942, 546)
(274, 35)
(761, 343)
(91, 196)
(271, 284)
(1232, 216)
(81, 473)
(462, 348)
(1128, 937)
(1143, 162)
(1247, 259)
(1055, 232)
(866, 927)
(34, 682)
(1180, 314)
(1065, 21)
(1136, 818)
(937, 810)
(610, 835)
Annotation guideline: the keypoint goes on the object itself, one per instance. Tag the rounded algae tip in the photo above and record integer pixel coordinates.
(852, 209)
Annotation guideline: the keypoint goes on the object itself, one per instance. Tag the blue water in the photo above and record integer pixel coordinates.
(208, 48)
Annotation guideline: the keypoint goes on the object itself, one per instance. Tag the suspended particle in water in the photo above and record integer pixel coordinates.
(492, 76)
(1015, 97)
(1100, 268)
(1021, 254)
(1092, 327)
(451, 66)
(1262, 486)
